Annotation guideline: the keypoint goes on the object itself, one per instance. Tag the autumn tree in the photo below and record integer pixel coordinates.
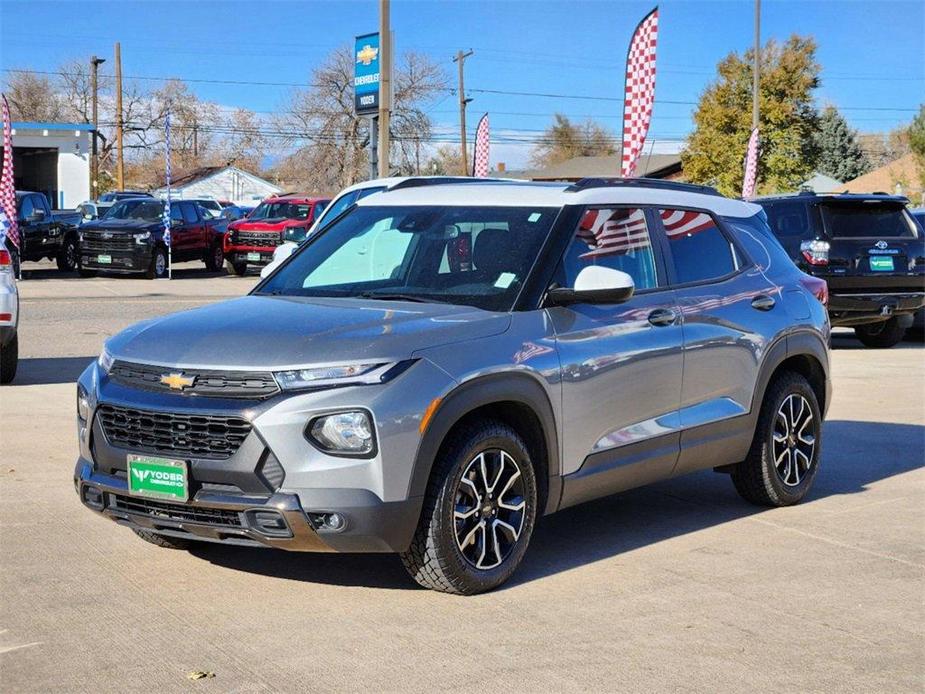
(788, 120)
(32, 97)
(332, 140)
(565, 140)
(917, 141)
(840, 153)
(446, 160)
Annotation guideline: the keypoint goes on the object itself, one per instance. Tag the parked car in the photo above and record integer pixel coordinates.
(45, 233)
(117, 195)
(212, 207)
(130, 239)
(276, 220)
(443, 364)
(918, 321)
(235, 212)
(866, 247)
(9, 312)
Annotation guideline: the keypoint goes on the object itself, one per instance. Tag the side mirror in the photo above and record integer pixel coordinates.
(594, 285)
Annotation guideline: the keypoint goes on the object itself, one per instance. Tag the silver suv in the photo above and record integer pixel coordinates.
(442, 364)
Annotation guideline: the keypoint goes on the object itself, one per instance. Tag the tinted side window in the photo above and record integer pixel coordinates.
(175, 214)
(26, 208)
(189, 212)
(614, 238)
(790, 219)
(699, 250)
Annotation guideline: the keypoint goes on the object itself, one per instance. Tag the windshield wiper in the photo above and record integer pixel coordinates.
(386, 296)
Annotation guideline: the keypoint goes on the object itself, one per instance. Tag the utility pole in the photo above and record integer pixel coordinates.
(120, 164)
(460, 59)
(756, 63)
(95, 156)
(385, 86)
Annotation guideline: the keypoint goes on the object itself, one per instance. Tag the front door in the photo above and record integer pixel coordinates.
(621, 364)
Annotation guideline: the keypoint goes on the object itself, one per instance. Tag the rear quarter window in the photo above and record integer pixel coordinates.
(791, 219)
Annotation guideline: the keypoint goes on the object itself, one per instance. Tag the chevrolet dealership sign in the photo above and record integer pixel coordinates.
(366, 74)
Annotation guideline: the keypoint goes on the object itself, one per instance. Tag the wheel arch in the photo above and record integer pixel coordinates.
(518, 400)
(805, 353)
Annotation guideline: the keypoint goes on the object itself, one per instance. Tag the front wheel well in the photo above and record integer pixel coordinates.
(809, 368)
(525, 422)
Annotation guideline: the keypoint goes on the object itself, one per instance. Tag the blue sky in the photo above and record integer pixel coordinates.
(872, 52)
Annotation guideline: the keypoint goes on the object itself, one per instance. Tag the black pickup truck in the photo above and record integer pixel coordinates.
(130, 239)
(45, 233)
(869, 250)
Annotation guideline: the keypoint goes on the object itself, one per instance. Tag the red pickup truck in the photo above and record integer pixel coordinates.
(252, 240)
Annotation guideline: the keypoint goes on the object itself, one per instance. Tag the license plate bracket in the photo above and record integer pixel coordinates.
(158, 478)
(253, 256)
(881, 263)
(104, 259)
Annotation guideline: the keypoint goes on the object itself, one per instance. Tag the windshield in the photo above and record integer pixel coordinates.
(343, 202)
(867, 220)
(281, 210)
(145, 210)
(475, 256)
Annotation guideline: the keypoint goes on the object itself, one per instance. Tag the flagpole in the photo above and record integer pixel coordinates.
(756, 64)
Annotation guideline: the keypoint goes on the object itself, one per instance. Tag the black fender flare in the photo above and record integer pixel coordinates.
(519, 388)
(800, 343)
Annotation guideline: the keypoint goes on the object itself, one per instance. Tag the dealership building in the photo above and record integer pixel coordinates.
(53, 158)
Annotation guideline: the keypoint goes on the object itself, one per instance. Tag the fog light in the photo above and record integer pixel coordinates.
(343, 433)
(93, 497)
(328, 521)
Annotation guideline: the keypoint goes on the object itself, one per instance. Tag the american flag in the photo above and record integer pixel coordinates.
(614, 232)
(480, 160)
(7, 182)
(751, 166)
(639, 93)
(167, 173)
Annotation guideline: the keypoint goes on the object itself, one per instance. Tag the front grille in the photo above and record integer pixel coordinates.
(216, 384)
(187, 435)
(176, 512)
(94, 241)
(260, 239)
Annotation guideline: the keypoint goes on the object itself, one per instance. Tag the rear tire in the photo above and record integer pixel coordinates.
(158, 268)
(880, 335)
(215, 260)
(67, 256)
(784, 455)
(9, 360)
(236, 268)
(478, 512)
(162, 540)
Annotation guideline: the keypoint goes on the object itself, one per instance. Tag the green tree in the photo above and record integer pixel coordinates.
(840, 153)
(917, 141)
(564, 140)
(788, 120)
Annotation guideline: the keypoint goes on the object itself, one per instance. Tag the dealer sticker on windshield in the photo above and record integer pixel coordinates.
(881, 264)
(162, 478)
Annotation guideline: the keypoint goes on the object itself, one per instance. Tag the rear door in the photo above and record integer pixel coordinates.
(621, 364)
(724, 301)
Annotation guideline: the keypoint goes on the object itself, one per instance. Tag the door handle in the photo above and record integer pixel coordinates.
(763, 302)
(662, 316)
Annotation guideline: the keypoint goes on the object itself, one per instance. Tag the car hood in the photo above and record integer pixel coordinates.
(268, 332)
(132, 226)
(267, 224)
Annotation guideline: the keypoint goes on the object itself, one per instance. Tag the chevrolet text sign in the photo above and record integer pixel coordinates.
(366, 74)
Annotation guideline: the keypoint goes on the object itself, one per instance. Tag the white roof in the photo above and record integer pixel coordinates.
(526, 194)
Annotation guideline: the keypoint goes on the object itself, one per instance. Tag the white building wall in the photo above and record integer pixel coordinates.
(229, 184)
(73, 161)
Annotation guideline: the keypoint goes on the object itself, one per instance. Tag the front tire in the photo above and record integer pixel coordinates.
(784, 455)
(67, 256)
(478, 513)
(159, 265)
(236, 268)
(881, 335)
(9, 360)
(162, 540)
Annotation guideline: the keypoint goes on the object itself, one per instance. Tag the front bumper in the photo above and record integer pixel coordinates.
(120, 261)
(238, 254)
(860, 308)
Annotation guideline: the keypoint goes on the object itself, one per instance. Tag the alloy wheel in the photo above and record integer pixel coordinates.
(793, 439)
(70, 255)
(160, 265)
(490, 509)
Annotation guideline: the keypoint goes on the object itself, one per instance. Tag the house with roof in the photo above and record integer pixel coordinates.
(666, 166)
(899, 177)
(221, 183)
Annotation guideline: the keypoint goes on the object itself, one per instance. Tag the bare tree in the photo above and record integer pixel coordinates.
(32, 97)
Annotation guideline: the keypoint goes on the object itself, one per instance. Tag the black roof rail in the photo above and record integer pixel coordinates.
(418, 181)
(588, 183)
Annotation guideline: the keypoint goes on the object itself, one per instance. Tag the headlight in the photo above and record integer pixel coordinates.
(331, 375)
(104, 361)
(142, 238)
(348, 433)
(83, 404)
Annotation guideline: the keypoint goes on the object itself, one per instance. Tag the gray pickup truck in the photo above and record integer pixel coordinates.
(46, 233)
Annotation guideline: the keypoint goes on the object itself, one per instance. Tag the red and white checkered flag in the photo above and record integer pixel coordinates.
(639, 94)
(751, 167)
(7, 183)
(480, 160)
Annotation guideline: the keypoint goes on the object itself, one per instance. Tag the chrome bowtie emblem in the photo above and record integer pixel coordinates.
(177, 381)
(881, 244)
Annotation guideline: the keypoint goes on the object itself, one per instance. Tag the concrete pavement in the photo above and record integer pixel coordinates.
(679, 586)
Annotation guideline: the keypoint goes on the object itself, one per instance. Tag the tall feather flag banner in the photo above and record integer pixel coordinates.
(751, 166)
(7, 182)
(480, 160)
(167, 176)
(639, 92)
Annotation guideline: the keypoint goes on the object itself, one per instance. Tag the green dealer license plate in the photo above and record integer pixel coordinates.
(104, 259)
(253, 256)
(161, 478)
(881, 263)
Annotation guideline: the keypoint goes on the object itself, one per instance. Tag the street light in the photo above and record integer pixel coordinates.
(94, 160)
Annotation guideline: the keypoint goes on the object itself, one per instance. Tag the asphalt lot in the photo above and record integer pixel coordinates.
(679, 586)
